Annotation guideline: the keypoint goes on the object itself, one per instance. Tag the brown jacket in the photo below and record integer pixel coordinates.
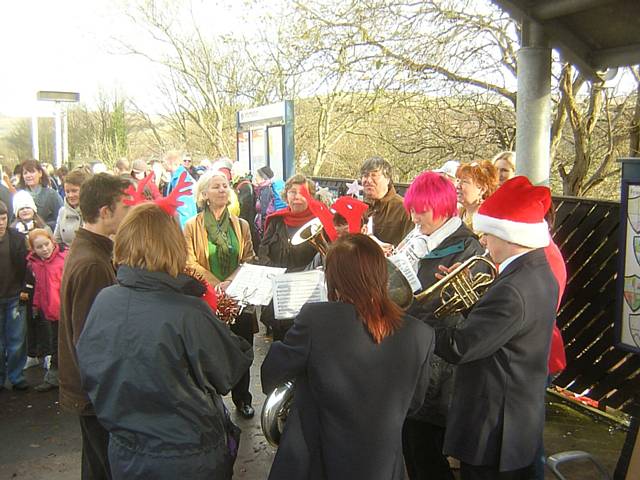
(391, 222)
(198, 246)
(87, 270)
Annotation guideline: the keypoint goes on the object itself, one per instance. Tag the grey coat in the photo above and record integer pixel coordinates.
(352, 395)
(48, 203)
(154, 362)
(69, 221)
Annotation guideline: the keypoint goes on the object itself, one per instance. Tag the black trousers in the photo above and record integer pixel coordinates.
(483, 472)
(95, 449)
(39, 341)
(243, 327)
(422, 444)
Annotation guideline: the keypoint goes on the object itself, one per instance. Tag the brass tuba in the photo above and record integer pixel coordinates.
(275, 412)
(459, 289)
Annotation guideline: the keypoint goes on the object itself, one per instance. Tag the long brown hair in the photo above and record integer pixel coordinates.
(356, 273)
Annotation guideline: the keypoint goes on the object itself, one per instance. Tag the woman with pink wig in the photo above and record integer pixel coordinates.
(439, 238)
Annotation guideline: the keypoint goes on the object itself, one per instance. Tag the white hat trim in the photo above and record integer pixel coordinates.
(531, 235)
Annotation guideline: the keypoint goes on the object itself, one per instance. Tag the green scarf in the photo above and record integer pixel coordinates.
(218, 232)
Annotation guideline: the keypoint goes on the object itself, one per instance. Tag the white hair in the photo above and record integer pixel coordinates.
(203, 185)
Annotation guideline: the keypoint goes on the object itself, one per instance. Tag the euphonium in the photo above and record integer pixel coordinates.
(275, 411)
(459, 289)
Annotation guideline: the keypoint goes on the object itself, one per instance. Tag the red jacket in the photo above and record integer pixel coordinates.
(557, 358)
(48, 278)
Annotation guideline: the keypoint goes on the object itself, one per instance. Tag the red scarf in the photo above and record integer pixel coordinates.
(291, 219)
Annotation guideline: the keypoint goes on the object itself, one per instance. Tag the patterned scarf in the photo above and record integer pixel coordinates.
(218, 233)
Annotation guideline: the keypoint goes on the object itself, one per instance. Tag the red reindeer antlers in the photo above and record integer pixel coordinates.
(169, 204)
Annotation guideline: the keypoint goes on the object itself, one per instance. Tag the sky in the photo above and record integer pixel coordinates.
(68, 45)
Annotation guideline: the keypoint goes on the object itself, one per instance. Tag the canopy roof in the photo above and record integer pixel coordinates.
(591, 34)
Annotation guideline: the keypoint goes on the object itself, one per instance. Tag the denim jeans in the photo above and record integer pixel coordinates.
(13, 353)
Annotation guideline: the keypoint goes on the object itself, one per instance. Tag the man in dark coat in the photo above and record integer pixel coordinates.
(391, 222)
(496, 416)
(13, 253)
(88, 269)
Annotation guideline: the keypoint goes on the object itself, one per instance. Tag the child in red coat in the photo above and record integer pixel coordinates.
(45, 263)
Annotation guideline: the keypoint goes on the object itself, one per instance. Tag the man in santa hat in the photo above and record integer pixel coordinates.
(496, 416)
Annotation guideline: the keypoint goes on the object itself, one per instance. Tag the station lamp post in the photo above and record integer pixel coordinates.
(61, 124)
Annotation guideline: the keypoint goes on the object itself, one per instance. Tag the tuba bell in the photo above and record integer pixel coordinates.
(312, 232)
(275, 411)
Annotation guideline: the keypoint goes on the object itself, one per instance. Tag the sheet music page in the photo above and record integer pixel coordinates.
(403, 263)
(253, 284)
(292, 290)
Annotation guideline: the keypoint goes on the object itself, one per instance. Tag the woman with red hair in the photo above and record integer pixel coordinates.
(476, 181)
(360, 366)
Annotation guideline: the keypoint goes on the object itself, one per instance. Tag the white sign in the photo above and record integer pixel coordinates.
(273, 111)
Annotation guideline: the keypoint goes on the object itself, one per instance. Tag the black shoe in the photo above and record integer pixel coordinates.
(21, 386)
(246, 411)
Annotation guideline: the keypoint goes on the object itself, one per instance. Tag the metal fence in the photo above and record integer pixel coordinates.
(586, 231)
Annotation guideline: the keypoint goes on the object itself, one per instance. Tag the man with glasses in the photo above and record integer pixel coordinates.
(390, 220)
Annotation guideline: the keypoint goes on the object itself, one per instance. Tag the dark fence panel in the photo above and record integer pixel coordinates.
(586, 231)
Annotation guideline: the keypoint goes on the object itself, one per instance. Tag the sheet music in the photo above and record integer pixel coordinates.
(253, 284)
(292, 290)
(403, 263)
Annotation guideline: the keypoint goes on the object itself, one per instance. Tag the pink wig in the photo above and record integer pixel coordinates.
(430, 191)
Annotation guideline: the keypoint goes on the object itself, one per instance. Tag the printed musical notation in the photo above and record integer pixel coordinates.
(253, 284)
(401, 260)
(292, 290)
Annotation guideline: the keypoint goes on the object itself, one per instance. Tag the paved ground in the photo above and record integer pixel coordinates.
(39, 442)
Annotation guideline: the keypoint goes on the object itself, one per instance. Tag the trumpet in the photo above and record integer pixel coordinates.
(459, 289)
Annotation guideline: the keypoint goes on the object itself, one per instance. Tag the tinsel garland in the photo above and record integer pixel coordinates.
(228, 308)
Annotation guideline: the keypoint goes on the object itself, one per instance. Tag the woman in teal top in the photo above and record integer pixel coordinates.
(217, 244)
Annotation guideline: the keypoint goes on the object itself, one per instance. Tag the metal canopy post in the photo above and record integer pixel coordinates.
(533, 109)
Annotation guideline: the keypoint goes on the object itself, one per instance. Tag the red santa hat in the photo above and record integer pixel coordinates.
(515, 213)
(352, 210)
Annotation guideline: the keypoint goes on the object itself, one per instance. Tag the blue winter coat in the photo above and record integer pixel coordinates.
(154, 362)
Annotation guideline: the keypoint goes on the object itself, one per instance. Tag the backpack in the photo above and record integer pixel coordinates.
(265, 205)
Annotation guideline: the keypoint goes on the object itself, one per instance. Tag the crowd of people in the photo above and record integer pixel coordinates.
(115, 278)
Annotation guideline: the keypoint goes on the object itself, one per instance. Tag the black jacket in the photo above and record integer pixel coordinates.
(496, 415)
(276, 249)
(18, 256)
(458, 247)
(351, 396)
(155, 362)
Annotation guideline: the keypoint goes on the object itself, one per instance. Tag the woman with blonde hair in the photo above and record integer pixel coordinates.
(476, 181)
(155, 360)
(218, 242)
(505, 163)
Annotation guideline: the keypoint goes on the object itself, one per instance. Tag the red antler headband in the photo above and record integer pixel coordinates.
(169, 204)
(321, 211)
